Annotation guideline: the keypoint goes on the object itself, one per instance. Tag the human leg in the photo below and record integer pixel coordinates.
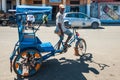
(60, 37)
(69, 34)
(60, 41)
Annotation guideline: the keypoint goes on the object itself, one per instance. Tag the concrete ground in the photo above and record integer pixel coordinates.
(102, 43)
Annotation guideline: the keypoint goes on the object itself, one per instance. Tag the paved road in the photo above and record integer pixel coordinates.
(103, 44)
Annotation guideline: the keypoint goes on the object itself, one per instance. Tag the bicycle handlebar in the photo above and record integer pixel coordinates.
(73, 28)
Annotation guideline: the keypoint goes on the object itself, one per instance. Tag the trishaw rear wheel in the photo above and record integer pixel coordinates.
(27, 63)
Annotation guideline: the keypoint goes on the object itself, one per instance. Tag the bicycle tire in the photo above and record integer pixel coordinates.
(23, 61)
(82, 46)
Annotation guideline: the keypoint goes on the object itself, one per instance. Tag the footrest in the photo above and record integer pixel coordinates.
(46, 47)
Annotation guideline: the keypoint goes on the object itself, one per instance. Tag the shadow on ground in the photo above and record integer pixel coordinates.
(88, 28)
(93, 28)
(64, 69)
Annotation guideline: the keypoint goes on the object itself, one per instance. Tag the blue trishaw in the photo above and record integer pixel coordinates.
(26, 58)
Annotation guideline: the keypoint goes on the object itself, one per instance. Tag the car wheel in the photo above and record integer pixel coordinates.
(4, 23)
(95, 25)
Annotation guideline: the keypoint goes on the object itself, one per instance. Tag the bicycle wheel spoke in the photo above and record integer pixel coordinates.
(25, 71)
(82, 46)
(27, 62)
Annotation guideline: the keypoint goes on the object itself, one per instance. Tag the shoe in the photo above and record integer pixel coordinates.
(65, 48)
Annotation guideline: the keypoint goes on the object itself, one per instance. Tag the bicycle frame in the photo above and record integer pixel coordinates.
(74, 38)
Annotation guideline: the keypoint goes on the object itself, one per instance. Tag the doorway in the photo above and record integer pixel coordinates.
(74, 8)
(9, 4)
(54, 12)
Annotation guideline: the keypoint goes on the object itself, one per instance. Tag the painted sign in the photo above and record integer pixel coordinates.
(110, 12)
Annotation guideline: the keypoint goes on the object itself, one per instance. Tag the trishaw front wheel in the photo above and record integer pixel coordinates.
(81, 46)
(27, 63)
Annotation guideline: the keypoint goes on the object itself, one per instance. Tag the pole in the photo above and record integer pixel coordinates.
(1, 4)
(88, 7)
(4, 5)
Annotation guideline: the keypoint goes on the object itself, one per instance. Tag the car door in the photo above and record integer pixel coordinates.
(77, 21)
(85, 20)
(73, 19)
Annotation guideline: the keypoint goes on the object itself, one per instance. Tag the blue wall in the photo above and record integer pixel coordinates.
(82, 8)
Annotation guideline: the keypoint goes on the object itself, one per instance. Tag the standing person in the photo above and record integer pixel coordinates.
(60, 28)
(45, 19)
(30, 20)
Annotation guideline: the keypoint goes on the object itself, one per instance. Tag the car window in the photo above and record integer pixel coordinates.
(73, 15)
(82, 16)
(76, 15)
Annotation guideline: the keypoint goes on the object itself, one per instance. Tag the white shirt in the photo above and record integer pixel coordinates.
(30, 18)
(59, 19)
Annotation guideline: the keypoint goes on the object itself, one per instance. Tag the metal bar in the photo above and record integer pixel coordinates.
(48, 55)
(33, 12)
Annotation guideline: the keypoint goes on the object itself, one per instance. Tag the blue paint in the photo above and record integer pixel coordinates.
(110, 21)
(26, 8)
(82, 8)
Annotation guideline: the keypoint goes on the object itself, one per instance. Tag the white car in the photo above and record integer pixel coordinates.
(78, 19)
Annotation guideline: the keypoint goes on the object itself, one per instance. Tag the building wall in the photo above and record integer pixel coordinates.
(45, 2)
(82, 6)
(29, 2)
(105, 0)
(94, 9)
(109, 11)
(55, 2)
(106, 11)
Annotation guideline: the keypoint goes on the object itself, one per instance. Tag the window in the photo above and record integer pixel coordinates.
(74, 8)
(75, 2)
(37, 1)
(82, 16)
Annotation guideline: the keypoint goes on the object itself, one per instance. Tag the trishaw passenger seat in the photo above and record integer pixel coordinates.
(28, 38)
